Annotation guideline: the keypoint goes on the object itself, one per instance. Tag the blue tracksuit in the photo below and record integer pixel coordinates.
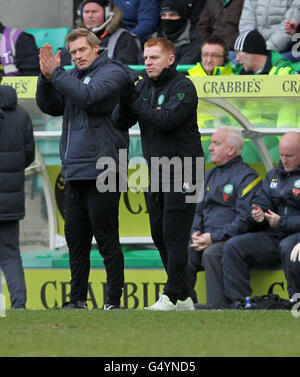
(280, 193)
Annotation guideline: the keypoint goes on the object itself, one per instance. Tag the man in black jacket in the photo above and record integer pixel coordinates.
(222, 214)
(276, 209)
(165, 105)
(17, 152)
(86, 97)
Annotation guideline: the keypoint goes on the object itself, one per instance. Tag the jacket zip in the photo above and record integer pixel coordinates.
(152, 94)
(68, 142)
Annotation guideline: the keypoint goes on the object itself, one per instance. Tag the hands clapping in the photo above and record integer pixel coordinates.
(48, 61)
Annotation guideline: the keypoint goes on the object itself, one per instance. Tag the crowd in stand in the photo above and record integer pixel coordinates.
(124, 26)
(216, 37)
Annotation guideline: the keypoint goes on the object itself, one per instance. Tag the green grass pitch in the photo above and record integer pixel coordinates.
(138, 333)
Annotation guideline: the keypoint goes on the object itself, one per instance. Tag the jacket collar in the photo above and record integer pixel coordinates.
(198, 70)
(281, 170)
(268, 65)
(231, 162)
(164, 76)
(100, 60)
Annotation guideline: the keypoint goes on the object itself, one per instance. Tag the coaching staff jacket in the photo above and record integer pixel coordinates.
(228, 191)
(86, 99)
(280, 193)
(166, 110)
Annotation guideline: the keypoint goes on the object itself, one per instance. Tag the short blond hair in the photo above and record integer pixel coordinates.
(91, 38)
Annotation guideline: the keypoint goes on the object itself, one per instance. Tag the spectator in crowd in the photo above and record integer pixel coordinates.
(292, 28)
(140, 17)
(214, 59)
(17, 152)
(254, 58)
(220, 18)
(165, 105)
(86, 96)
(276, 210)
(222, 214)
(76, 11)
(176, 27)
(104, 21)
(19, 54)
(194, 9)
(268, 17)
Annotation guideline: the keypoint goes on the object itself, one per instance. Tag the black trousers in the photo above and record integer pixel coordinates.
(242, 252)
(11, 263)
(209, 260)
(171, 219)
(90, 213)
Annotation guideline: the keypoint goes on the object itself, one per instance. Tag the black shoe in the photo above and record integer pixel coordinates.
(111, 307)
(210, 306)
(77, 305)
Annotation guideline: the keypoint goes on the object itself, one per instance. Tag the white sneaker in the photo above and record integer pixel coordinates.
(163, 303)
(185, 304)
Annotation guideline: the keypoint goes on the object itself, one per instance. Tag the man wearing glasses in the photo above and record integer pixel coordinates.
(214, 59)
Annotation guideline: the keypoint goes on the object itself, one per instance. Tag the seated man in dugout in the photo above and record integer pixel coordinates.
(276, 210)
(222, 214)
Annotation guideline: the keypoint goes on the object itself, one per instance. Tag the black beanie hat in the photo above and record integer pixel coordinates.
(176, 6)
(251, 42)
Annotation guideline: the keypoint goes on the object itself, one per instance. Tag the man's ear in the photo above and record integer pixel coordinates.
(232, 151)
(172, 59)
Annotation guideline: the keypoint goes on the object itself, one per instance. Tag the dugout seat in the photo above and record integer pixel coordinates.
(54, 36)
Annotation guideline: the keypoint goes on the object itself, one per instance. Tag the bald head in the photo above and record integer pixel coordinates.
(289, 149)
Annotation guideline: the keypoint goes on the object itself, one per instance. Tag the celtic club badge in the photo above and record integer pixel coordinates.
(296, 188)
(161, 99)
(227, 190)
